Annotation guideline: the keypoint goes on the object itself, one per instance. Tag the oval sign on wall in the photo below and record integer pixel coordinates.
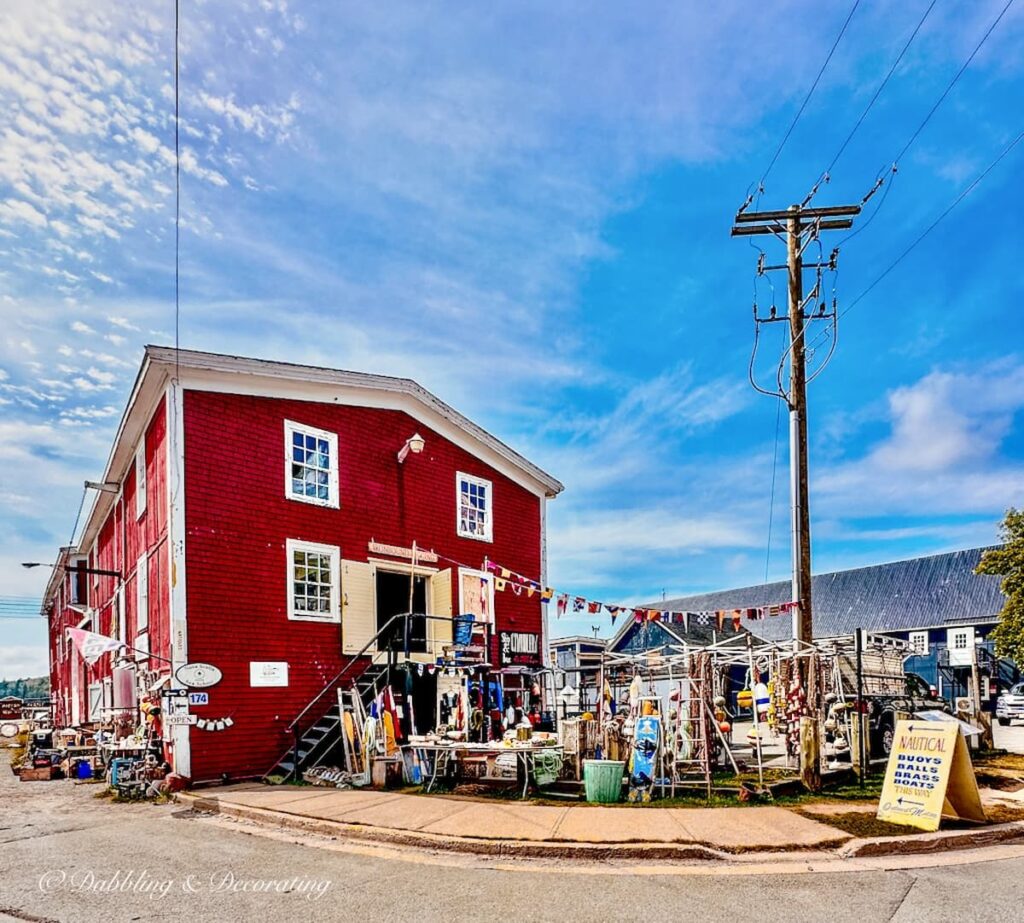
(198, 675)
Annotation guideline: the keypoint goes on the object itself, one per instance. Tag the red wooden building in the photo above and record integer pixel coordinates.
(263, 517)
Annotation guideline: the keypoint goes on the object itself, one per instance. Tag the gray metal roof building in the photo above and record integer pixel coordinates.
(931, 592)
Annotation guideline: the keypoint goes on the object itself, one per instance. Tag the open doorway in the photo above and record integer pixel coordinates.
(392, 590)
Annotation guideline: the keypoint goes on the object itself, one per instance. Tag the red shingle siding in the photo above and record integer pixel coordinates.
(118, 544)
(238, 520)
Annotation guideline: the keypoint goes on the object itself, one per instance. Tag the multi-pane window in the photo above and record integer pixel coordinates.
(311, 465)
(918, 641)
(475, 500)
(314, 581)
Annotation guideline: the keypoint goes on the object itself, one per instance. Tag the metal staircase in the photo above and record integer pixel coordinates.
(316, 729)
(317, 741)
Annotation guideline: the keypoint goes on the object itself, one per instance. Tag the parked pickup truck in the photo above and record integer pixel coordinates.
(882, 709)
(886, 690)
(1010, 705)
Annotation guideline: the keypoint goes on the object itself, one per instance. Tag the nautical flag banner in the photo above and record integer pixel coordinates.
(639, 615)
(505, 572)
(562, 604)
(736, 615)
(545, 596)
(499, 584)
(593, 607)
(720, 619)
(774, 610)
(704, 618)
(93, 646)
(579, 604)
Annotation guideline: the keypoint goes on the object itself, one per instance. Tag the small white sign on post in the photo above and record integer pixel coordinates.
(268, 673)
(179, 720)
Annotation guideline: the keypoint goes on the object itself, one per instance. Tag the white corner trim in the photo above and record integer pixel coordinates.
(174, 405)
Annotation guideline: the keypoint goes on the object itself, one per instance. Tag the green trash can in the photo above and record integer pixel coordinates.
(602, 780)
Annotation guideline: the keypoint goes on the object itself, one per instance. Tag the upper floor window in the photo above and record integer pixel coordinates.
(314, 577)
(474, 498)
(918, 641)
(311, 466)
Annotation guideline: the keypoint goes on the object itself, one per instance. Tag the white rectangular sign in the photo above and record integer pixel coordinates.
(268, 673)
(179, 720)
(199, 698)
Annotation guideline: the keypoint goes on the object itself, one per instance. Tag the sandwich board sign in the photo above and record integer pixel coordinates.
(929, 776)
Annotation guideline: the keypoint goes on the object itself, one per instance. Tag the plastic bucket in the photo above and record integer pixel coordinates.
(463, 629)
(602, 780)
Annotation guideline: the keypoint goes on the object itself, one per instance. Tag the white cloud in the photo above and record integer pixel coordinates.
(941, 454)
(81, 327)
(101, 376)
(116, 339)
(122, 322)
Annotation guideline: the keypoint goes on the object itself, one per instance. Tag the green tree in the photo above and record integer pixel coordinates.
(1008, 562)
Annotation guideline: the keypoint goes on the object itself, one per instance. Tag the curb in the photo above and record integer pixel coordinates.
(525, 849)
(926, 843)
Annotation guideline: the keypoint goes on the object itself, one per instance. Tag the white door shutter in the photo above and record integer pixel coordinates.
(440, 633)
(358, 614)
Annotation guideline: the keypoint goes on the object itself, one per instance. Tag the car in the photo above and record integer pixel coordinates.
(1010, 705)
(918, 695)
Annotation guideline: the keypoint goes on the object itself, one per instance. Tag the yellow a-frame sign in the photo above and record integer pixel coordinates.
(929, 776)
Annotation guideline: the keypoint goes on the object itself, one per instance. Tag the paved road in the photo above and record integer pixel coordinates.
(65, 855)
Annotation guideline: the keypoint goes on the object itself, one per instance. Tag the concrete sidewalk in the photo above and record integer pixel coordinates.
(525, 829)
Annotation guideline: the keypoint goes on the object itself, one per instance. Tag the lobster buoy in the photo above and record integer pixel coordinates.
(744, 698)
(725, 727)
(761, 698)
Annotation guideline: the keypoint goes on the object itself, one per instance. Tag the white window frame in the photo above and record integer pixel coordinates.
(480, 575)
(140, 480)
(960, 639)
(141, 646)
(918, 641)
(290, 429)
(334, 553)
(488, 535)
(142, 593)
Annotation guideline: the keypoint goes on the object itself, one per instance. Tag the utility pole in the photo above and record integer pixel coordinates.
(797, 227)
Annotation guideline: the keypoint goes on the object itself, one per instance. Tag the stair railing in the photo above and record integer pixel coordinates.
(405, 617)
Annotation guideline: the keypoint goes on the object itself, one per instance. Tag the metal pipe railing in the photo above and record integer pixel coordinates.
(295, 726)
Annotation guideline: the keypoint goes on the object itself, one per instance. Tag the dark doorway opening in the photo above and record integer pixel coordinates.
(393, 599)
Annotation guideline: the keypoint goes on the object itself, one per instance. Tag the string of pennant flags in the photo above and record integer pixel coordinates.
(505, 579)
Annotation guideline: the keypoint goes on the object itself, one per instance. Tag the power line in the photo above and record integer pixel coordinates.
(963, 195)
(826, 173)
(177, 191)
(952, 83)
(803, 105)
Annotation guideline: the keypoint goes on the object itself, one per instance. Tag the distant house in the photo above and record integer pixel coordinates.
(937, 604)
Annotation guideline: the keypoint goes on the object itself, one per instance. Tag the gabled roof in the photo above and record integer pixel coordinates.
(928, 592)
(193, 369)
(347, 387)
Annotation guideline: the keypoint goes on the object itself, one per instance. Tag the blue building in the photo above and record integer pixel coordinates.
(937, 604)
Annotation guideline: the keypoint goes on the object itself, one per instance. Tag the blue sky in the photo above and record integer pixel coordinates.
(526, 207)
